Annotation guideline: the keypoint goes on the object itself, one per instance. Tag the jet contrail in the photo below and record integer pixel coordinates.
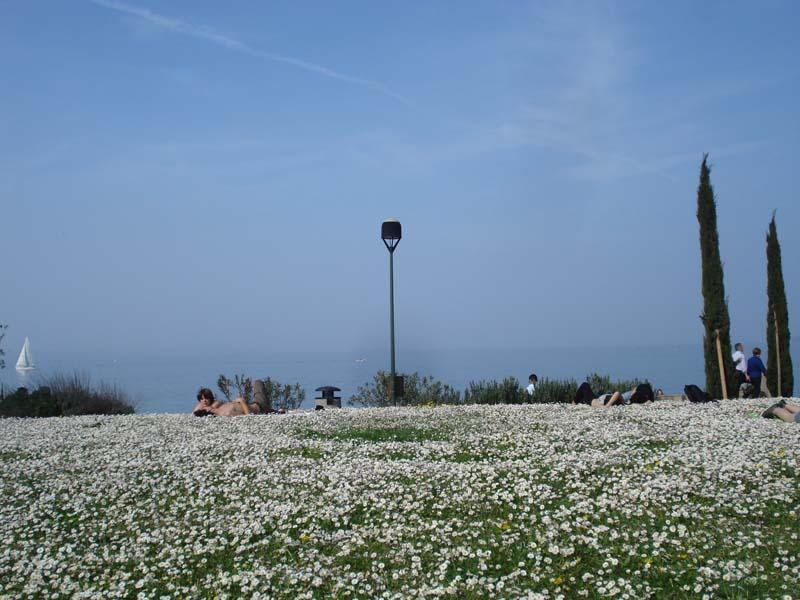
(209, 35)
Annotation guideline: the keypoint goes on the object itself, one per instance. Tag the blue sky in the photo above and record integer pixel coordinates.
(184, 175)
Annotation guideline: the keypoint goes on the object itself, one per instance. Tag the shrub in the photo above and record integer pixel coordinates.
(284, 396)
(554, 391)
(66, 396)
(602, 384)
(418, 391)
(75, 395)
(507, 391)
(225, 386)
(40, 403)
(280, 396)
(428, 391)
(562, 391)
(241, 385)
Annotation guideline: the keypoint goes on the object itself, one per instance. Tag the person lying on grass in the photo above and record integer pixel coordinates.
(785, 412)
(208, 406)
(586, 395)
(640, 394)
(607, 400)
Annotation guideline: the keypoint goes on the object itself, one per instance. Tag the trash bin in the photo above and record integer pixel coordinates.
(328, 398)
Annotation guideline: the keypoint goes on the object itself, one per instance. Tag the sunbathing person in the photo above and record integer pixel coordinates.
(607, 400)
(785, 412)
(585, 395)
(207, 405)
(640, 394)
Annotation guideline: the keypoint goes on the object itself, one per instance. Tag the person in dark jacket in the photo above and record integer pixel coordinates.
(585, 395)
(755, 371)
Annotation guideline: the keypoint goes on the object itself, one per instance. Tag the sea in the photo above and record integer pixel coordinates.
(169, 384)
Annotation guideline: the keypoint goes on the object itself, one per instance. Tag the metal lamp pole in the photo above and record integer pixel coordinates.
(391, 232)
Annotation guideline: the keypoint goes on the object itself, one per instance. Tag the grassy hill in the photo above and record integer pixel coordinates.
(668, 500)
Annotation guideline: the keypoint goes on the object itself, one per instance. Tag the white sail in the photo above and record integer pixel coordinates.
(25, 360)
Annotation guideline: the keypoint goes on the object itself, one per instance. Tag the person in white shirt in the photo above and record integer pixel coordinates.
(740, 362)
(533, 380)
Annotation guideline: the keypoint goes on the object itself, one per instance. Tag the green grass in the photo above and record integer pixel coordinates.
(493, 496)
(380, 434)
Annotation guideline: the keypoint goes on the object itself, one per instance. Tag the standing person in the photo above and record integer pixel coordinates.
(740, 362)
(755, 370)
(533, 381)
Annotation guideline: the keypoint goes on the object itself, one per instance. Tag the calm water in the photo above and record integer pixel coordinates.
(170, 384)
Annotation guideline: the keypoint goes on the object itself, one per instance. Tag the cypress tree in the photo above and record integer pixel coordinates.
(778, 350)
(2, 335)
(715, 316)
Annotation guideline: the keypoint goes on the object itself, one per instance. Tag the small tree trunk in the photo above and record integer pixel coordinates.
(778, 354)
(721, 369)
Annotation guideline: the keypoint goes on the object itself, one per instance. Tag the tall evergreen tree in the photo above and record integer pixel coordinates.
(715, 308)
(777, 309)
(2, 335)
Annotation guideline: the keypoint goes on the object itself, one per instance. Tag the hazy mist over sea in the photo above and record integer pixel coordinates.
(169, 384)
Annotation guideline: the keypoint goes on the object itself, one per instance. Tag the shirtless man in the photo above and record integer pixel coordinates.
(207, 405)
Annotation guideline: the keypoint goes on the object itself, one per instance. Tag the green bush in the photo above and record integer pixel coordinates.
(40, 403)
(66, 396)
(507, 391)
(283, 396)
(561, 391)
(280, 396)
(428, 391)
(75, 395)
(602, 384)
(240, 385)
(419, 391)
(554, 391)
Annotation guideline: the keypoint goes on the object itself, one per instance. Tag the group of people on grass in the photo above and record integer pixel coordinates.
(640, 394)
(749, 376)
(749, 373)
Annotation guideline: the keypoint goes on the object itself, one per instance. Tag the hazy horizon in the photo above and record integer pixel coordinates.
(186, 178)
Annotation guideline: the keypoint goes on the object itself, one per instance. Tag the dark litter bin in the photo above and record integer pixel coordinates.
(328, 398)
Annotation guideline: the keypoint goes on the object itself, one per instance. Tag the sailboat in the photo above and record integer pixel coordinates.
(25, 360)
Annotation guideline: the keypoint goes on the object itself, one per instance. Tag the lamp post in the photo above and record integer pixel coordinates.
(391, 232)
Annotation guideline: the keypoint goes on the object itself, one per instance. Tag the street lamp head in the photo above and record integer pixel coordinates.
(391, 232)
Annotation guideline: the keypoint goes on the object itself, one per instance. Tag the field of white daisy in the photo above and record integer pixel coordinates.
(670, 500)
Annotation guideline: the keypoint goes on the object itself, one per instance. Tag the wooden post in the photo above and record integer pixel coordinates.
(779, 393)
(721, 369)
